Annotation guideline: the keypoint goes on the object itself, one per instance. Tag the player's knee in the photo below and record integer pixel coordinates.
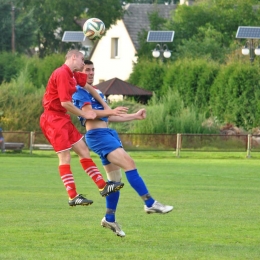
(115, 175)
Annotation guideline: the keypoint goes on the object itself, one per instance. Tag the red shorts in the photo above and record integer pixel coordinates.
(59, 130)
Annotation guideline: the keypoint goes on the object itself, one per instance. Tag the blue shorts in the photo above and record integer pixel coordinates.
(103, 141)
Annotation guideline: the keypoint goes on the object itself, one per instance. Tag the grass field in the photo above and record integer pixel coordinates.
(216, 210)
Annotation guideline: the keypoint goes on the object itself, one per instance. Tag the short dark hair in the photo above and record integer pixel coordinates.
(88, 62)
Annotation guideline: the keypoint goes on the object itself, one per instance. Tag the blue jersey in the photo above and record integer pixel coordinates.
(82, 97)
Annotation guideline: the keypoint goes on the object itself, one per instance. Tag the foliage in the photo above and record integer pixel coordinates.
(55, 17)
(43, 24)
(168, 114)
(193, 80)
(41, 69)
(224, 16)
(204, 39)
(38, 70)
(10, 66)
(24, 24)
(148, 75)
(125, 127)
(207, 44)
(20, 103)
(235, 95)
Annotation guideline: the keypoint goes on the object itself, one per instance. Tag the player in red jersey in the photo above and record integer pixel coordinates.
(63, 135)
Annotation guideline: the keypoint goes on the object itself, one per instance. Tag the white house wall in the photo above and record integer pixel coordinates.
(107, 67)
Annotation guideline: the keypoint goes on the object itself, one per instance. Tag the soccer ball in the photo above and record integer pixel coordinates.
(94, 28)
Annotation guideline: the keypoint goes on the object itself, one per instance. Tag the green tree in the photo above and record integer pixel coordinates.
(55, 17)
(148, 75)
(235, 95)
(10, 66)
(24, 26)
(206, 21)
(193, 80)
(208, 43)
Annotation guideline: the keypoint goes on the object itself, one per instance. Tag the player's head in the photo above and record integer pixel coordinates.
(75, 60)
(89, 70)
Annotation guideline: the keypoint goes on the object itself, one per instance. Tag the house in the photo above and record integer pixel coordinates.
(114, 54)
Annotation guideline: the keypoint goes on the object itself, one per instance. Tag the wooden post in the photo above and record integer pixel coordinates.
(178, 145)
(31, 141)
(248, 155)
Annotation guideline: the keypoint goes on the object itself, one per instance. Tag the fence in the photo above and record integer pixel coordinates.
(157, 142)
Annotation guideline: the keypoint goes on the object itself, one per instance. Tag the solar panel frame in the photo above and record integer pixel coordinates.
(248, 32)
(73, 36)
(160, 36)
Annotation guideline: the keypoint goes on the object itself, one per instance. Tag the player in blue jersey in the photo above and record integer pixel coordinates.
(106, 143)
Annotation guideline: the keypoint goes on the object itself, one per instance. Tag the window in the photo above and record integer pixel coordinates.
(114, 48)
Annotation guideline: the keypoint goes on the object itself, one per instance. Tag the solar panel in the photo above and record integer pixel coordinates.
(160, 36)
(248, 32)
(71, 36)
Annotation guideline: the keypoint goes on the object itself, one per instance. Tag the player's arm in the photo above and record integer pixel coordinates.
(94, 93)
(139, 115)
(106, 113)
(81, 79)
(78, 112)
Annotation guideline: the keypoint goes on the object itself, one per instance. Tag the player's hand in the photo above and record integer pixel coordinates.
(90, 115)
(120, 110)
(141, 114)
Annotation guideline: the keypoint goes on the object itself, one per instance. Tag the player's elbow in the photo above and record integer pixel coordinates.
(65, 104)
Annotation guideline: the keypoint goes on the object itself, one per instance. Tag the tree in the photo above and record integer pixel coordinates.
(24, 26)
(55, 17)
(235, 95)
(208, 43)
(42, 24)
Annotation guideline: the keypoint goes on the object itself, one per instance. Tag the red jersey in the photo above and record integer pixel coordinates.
(61, 85)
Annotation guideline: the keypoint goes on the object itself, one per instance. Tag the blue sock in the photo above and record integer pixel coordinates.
(111, 205)
(139, 186)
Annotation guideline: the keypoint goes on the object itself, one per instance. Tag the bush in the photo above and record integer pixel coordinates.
(148, 75)
(193, 80)
(10, 66)
(41, 69)
(21, 104)
(169, 115)
(235, 95)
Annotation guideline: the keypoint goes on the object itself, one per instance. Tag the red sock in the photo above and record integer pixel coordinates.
(68, 180)
(91, 169)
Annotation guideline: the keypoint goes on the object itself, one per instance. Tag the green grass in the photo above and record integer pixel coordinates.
(216, 214)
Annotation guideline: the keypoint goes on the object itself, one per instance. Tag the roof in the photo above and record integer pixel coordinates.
(117, 86)
(136, 17)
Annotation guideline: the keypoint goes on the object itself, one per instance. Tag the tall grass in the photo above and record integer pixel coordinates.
(169, 115)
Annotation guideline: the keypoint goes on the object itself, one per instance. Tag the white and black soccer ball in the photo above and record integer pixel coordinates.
(94, 28)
